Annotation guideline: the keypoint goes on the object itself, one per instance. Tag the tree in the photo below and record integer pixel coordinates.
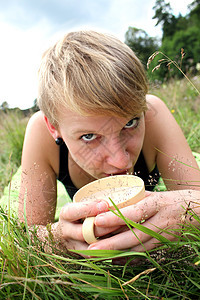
(4, 106)
(139, 41)
(35, 106)
(178, 33)
(194, 14)
(164, 16)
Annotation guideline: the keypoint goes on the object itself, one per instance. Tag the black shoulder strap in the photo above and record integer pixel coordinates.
(64, 176)
(141, 170)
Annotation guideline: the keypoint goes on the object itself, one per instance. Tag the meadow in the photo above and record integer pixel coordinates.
(172, 271)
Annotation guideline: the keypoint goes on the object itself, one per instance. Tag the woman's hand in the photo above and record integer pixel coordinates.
(160, 210)
(68, 231)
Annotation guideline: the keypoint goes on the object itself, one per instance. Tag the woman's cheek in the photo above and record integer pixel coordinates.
(89, 159)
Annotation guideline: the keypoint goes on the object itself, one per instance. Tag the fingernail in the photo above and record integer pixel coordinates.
(93, 247)
(102, 206)
(99, 220)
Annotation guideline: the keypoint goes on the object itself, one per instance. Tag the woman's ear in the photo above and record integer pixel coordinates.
(53, 131)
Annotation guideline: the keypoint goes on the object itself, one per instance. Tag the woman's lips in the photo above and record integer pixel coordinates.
(120, 173)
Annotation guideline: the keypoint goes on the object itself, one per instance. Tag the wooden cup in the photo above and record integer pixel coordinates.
(124, 190)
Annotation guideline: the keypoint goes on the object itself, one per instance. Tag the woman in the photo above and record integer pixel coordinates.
(96, 120)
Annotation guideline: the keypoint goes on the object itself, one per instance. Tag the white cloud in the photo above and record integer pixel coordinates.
(19, 59)
(180, 7)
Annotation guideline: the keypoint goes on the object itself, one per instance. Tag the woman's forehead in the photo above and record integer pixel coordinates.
(76, 122)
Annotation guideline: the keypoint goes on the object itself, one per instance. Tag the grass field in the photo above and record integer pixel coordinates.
(12, 130)
(170, 272)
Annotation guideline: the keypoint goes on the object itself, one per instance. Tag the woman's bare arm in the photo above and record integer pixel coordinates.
(38, 194)
(174, 157)
(38, 191)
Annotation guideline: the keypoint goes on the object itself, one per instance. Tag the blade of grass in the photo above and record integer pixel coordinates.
(29, 243)
(142, 228)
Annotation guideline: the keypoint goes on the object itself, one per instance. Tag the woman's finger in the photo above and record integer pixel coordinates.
(76, 211)
(74, 245)
(101, 232)
(137, 212)
(129, 239)
(143, 210)
(121, 241)
(71, 231)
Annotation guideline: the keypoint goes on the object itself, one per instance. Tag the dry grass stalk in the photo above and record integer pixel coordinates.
(146, 272)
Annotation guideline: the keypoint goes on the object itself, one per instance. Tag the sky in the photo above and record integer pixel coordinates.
(29, 27)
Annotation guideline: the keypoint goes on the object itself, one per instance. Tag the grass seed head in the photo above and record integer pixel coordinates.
(151, 58)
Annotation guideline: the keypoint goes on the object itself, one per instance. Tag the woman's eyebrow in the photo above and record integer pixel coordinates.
(81, 131)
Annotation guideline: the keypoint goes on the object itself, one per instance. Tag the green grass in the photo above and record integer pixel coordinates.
(184, 102)
(169, 272)
(27, 272)
(12, 129)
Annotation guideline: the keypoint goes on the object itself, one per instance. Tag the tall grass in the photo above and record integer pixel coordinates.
(27, 272)
(181, 96)
(12, 129)
(184, 102)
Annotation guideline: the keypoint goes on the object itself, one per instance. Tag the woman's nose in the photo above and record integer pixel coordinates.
(116, 154)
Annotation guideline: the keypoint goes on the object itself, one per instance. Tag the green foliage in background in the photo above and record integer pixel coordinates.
(184, 103)
(177, 32)
(139, 41)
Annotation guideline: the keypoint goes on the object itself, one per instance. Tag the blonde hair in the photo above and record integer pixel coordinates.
(91, 73)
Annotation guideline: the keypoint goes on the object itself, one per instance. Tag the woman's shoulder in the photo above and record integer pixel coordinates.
(37, 119)
(154, 102)
(37, 127)
(157, 111)
(39, 141)
(157, 118)
(152, 98)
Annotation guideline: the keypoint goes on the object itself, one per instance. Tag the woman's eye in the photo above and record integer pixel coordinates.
(88, 137)
(132, 123)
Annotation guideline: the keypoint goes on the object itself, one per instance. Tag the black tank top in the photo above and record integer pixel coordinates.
(140, 169)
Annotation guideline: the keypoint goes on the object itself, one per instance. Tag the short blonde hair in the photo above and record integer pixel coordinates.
(91, 73)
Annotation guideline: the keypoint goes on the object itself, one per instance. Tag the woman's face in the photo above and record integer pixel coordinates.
(102, 145)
